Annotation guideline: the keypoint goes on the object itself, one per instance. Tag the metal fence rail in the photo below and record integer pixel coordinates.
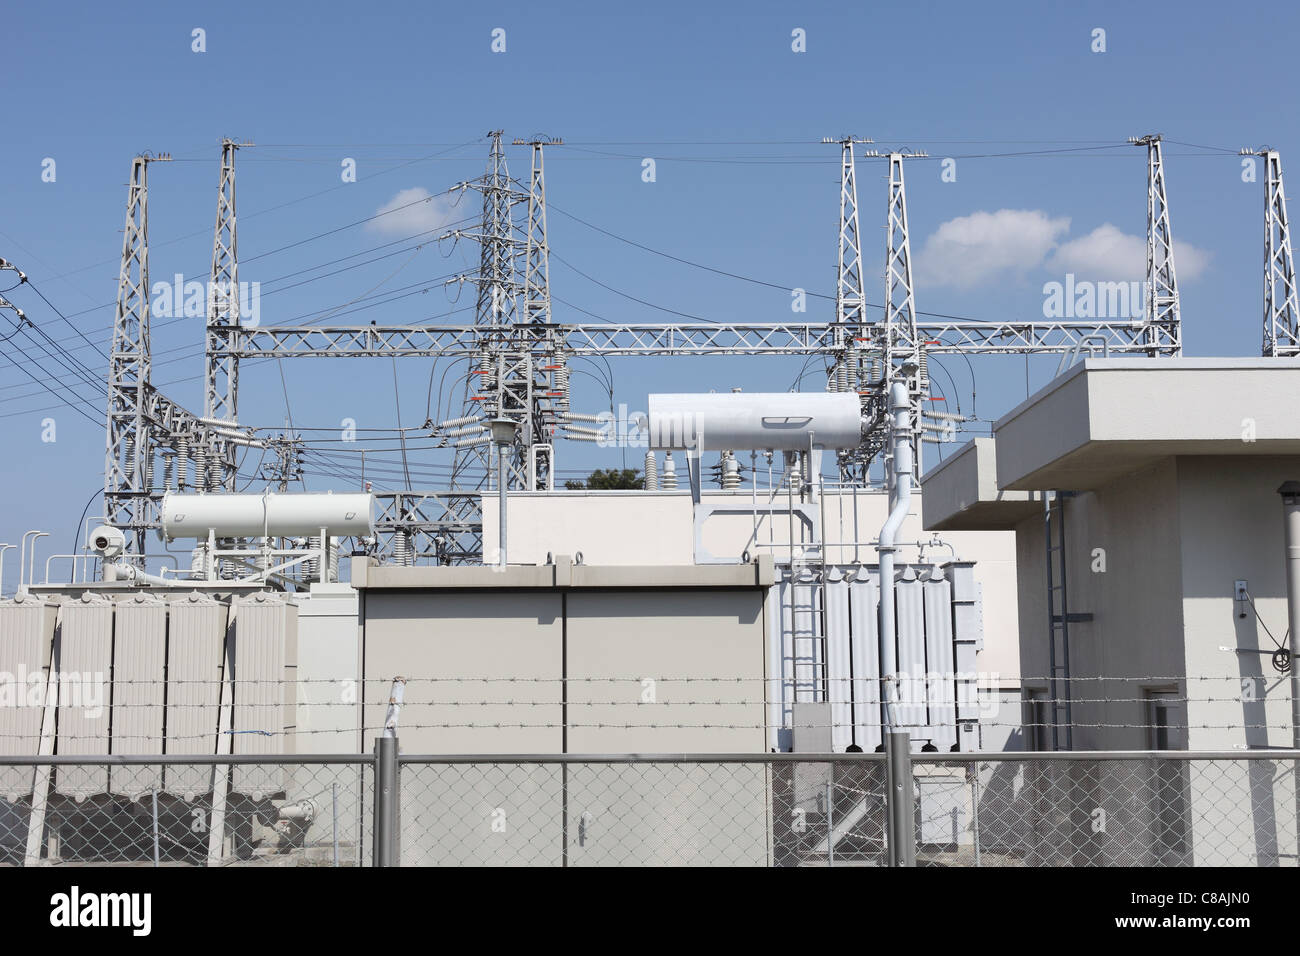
(1127, 808)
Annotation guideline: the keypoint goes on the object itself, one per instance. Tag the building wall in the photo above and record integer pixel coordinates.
(572, 670)
(1131, 529)
(1176, 536)
(1231, 529)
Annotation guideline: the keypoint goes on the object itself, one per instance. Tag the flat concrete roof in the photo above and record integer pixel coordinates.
(562, 574)
(1104, 418)
(961, 493)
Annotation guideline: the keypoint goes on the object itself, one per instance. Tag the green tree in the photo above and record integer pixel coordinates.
(609, 479)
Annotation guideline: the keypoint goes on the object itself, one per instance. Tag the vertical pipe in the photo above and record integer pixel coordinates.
(155, 826)
(902, 813)
(825, 615)
(975, 809)
(1290, 492)
(900, 495)
(385, 827)
(501, 503)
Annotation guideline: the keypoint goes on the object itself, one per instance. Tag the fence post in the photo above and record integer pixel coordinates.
(902, 809)
(334, 792)
(155, 826)
(386, 797)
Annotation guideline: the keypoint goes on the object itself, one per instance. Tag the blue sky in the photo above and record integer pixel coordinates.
(732, 116)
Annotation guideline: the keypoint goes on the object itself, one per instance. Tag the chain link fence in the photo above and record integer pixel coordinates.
(782, 809)
(186, 810)
(1114, 809)
(724, 810)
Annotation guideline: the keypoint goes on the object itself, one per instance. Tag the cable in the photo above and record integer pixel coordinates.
(661, 308)
(77, 408)
(731, 275)
(1281, 658)
(269, 209)
(76, 541)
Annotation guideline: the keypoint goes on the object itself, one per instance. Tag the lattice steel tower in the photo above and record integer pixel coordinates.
(1281, 314)
(902, 356)
(128, 466)
(221, 392)
(1163, 330)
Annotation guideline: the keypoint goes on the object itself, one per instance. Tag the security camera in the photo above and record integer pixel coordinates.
(107, 541)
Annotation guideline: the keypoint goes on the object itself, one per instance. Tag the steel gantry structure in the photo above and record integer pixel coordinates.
(519, 372)
(1123, 336)
(518, 354)
(1164, 326)
(143, 425)
(1281, 313)
(221, 371)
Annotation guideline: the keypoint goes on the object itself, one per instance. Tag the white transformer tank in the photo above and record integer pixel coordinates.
(270, 515)
(756, 420)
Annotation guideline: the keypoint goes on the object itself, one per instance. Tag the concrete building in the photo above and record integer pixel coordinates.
(1157, 483)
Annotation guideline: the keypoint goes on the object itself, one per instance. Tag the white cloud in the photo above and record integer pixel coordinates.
(970, 250)
(413, 211)
(1108, 254)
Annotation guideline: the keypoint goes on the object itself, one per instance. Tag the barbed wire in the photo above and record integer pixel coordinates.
(728, 679)
(922, 730)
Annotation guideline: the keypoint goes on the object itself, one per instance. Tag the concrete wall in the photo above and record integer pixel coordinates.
(547, 669)
(1230, 517)
(1175, 536)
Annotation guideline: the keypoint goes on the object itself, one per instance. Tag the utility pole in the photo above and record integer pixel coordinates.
(221, 371)
(1281, 314)
(128, 467)
(1163, 323)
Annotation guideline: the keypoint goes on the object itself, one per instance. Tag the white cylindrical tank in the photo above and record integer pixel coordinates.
(273, 515)
(760, 420)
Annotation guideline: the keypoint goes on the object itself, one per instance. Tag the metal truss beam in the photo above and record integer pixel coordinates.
(677, 338)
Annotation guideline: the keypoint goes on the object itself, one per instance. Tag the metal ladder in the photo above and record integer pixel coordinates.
(1058, 620)
(805, 642)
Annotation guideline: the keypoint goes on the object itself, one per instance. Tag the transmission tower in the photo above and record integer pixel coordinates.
(847, 373)
(1163, 330)
(1281, 314)
(850, 292)
(128, 468)
(545, 366)
(520, 370)
(494, 315)
(221, 392)
(902, 354)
